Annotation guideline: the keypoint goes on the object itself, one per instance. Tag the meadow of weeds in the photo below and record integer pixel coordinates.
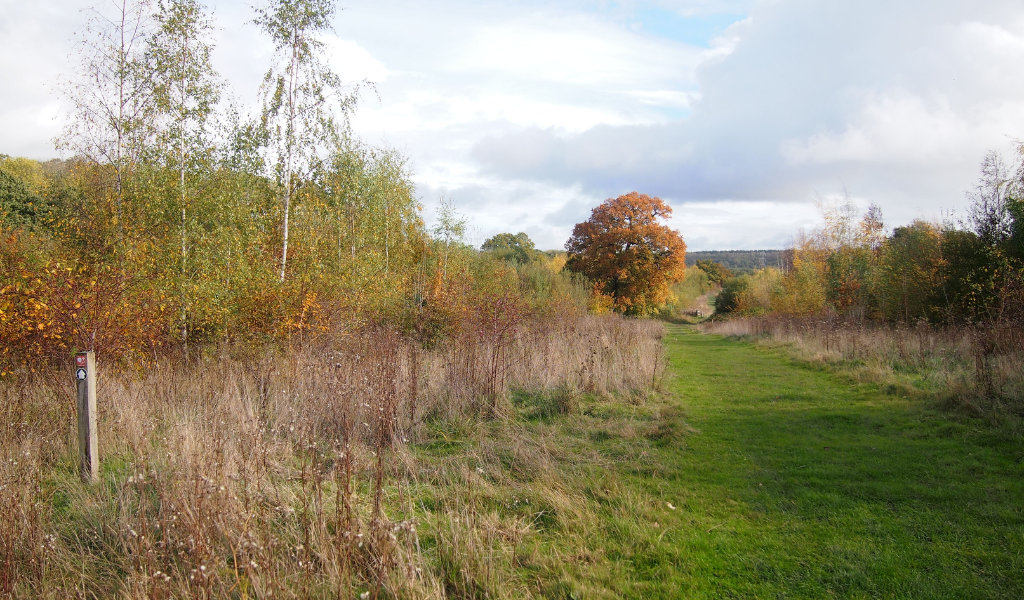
(331, 468)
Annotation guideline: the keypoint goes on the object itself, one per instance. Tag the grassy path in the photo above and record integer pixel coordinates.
(797, 484)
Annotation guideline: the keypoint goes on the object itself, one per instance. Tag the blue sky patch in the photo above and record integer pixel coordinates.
(696, 30)
(675, 114)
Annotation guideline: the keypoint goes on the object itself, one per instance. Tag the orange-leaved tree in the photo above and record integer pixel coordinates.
(628, 254)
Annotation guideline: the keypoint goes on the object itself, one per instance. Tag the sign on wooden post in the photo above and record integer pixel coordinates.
(88, 445)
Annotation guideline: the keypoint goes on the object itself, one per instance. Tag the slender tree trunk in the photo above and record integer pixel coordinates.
(121, 77)
(181, 185)
(289, 145)
(184, 276)
(287, 207)
(444, 270)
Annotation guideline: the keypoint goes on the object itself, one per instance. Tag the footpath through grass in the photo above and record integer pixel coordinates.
(763, 478)
(798, 484)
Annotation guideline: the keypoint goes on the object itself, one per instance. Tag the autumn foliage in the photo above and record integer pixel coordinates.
(629, 255)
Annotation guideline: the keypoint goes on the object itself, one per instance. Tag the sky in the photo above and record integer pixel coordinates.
(527, 114)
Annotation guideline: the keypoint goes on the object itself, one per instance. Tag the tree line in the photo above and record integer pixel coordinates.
(740, 261)
(180, 219)
(967, 271)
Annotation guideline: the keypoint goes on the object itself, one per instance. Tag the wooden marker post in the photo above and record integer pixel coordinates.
(88, 444)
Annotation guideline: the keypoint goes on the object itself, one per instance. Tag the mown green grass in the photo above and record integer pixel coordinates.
(757, 477)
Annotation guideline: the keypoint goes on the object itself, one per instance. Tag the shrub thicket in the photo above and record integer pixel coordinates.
(966, 273)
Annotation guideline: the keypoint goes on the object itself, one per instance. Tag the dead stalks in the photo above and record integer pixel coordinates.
(285, 474)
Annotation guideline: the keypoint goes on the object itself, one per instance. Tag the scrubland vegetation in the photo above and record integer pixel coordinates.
(931, 307)
(305, 391)
(332, 467)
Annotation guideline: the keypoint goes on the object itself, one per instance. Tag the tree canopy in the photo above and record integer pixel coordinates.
(18, 203)
(629, 255)
(517, 247)
(717, 272)
(301, 97)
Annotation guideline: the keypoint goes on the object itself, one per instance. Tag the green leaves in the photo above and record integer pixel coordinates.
(717, 273)
(513, 247)
(19, 206)
(186, 87)
(305, 105)
(293, 24)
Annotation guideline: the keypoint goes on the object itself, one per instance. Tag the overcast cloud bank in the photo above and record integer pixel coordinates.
(529, 114)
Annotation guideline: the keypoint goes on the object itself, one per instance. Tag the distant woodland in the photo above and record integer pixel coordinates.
(741, 261)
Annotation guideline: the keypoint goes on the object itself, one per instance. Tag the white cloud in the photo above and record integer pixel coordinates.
(35, 40)
(433, 111)
(896, 102)
(352, 62)
(741, 224)
(578, 52)
(895, 127)
(666, 98)
(528, 113)
(938, 121)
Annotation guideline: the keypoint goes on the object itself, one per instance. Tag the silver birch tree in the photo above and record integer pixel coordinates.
(186, 90)
(305, 107)
(111, 96)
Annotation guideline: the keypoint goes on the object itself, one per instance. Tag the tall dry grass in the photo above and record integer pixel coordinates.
(980, 368)
(286, 473)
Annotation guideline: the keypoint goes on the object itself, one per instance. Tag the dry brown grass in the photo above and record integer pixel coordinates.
(294, 473)
(978, 368)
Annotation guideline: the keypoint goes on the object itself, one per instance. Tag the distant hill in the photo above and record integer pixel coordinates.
(742, 261)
